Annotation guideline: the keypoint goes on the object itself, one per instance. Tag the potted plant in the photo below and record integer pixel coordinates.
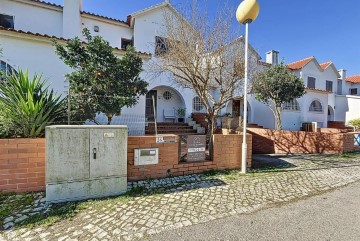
(181, 114)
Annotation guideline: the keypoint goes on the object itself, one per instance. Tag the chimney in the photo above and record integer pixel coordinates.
(342, 73)
(272, 57)
(72, 18)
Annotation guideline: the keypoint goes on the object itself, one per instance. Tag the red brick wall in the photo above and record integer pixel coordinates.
(349, 142)
(227, 155)
(22, 165)
(336, 124)
(272, 141)
(22, 161)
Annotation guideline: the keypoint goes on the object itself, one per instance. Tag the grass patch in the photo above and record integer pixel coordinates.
(11, 203)
(350, 155)
(57, 213)
(227, 174)
(67, 211)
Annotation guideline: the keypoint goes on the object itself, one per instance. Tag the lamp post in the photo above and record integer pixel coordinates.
(246, 13)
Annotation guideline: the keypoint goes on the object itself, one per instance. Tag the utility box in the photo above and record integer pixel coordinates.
(146, 156)
(85, 162)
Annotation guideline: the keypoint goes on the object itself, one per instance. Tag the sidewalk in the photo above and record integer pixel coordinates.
(177, 202)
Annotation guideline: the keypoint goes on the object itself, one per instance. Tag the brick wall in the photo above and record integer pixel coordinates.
(22, 165)
(292, 142)
(349, 142)
(22, 161)
(336, 124)
(227, 155)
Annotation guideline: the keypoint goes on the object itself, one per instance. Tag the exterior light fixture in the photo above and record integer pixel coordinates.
(246, 13)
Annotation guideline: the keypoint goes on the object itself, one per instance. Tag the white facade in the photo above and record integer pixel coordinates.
(29, 46)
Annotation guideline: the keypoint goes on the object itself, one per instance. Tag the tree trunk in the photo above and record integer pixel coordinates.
(278, 118)
(109, 116)
(211, 129)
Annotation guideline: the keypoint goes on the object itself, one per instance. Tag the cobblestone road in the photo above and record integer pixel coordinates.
(180, 202)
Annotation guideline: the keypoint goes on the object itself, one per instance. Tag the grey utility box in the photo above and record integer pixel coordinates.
(85, 162)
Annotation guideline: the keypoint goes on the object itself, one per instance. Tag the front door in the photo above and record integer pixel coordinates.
(149, 108)
(236, 108)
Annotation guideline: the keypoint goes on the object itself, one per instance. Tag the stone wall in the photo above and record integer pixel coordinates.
(22, 165)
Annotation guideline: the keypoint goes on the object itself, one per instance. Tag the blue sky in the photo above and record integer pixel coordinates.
(328, 30)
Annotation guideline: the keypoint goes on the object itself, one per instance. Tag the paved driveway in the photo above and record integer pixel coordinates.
(178, 202)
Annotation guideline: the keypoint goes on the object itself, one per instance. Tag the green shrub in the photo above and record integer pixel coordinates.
(5, 123)
(355, 123)
(29, 105)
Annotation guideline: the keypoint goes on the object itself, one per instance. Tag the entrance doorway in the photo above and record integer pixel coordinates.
(149, 107)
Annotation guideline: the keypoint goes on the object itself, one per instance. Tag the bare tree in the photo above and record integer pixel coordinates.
(202, 53)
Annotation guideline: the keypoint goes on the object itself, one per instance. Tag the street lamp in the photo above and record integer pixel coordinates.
(247, 12)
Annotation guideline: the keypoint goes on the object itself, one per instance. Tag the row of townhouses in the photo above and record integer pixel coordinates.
(27, 28)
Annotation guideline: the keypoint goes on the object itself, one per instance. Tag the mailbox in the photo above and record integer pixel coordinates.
(146, 156)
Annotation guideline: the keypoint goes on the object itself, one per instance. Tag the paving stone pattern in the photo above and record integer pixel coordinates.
(184, 201)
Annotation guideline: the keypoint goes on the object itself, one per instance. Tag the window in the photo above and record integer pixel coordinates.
(329, 86)
(167, 95)
(197, 104)
(339, 92)
(125, 43)
(6, 21)
(291, 105)
(6, 69)
(316, 106)
(353, 91)
(161, 46)
(311, 82)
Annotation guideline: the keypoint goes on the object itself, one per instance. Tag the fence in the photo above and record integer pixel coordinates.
(22, 161)
(292, 142)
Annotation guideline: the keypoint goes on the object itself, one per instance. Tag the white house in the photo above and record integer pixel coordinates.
(27, 28)
(26, 41)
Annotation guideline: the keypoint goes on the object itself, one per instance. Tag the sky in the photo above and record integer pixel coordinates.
(328, 30)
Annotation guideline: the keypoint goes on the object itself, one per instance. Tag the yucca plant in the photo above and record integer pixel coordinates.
(29, 104)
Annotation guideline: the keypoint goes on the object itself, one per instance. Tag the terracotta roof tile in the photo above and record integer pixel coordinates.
(83, 12)
(299, 64)
(47, 3)
(104, 17)
(355, 79)
(325, 65)
(54, 37)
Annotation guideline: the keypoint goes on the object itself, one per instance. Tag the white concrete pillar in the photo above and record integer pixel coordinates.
(72, 18)
(272, 57)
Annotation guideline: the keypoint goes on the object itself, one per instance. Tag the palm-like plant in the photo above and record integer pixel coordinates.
(29, 104)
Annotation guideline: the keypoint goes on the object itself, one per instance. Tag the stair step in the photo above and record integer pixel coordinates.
(168, 124)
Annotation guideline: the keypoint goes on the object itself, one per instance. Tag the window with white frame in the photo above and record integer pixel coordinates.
(329, 86)
(198, 106)
(353, 91)
(311, 82)
(291, 105)
(161, 45)
(316, 106)
(7, 21)
(6, 69)
(167, 95)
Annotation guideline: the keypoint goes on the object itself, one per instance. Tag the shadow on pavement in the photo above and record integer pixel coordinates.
(301, 162)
